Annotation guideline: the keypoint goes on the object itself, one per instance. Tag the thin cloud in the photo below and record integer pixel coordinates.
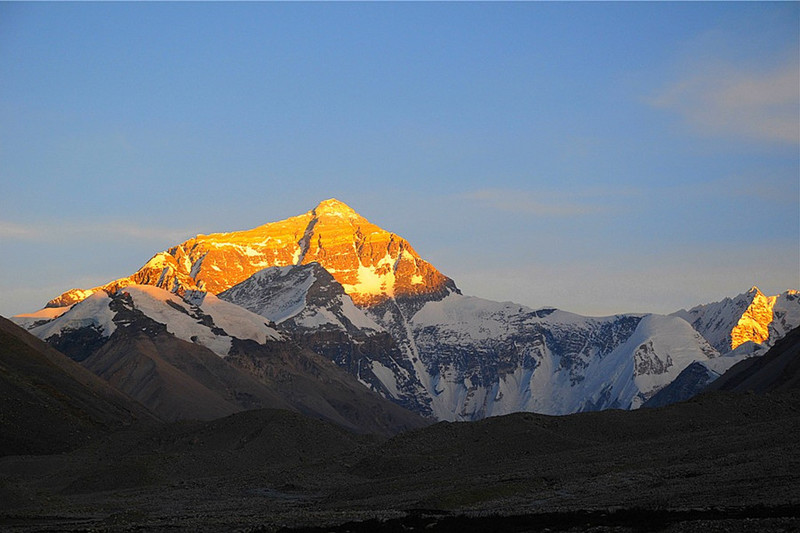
(541, 204)
(732, 101)
(10, 230)
(48, 233)
(662, 281)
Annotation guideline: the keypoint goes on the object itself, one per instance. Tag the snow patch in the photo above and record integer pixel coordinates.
(28, 320)
(370, 282)
(93, 311)
(185, 324)
(387, 378)
(356, 316)
(237, 321)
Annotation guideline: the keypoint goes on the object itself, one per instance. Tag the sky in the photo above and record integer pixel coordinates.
(601, 158)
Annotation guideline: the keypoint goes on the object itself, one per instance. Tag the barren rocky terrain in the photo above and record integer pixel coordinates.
(720, 462)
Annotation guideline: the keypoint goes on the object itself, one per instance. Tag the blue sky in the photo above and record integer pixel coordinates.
(598, 157)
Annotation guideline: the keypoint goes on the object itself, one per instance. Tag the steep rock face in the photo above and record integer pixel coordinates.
(166, 270)
(305, 297)
(371, 264)
(753, 325)
(308, 305)
(749, 317)
(476, 358)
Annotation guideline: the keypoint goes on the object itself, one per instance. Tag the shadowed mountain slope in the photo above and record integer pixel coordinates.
(209, 359)
(49, 403)
(177, 379)
(777, 370)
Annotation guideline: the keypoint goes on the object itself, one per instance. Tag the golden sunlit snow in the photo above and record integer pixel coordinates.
(754, 323)
(371, 264)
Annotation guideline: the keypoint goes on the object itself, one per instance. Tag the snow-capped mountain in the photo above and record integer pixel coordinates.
(742, 327)
(480, 358)
(371, 264)
(210, 322)
(334, 283)
(750, 317)
(464, 358)
(303, 297)
(307, 304)
(198, 356)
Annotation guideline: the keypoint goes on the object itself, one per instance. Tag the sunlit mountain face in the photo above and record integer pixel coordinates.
(372, 265)
(749, 318)
(754, 324)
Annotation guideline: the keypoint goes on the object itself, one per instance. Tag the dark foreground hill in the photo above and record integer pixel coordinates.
(722, 462)
(50, 404)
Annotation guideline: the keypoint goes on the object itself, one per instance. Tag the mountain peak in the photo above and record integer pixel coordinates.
(334, 207)
(754, 291)
(372, 264)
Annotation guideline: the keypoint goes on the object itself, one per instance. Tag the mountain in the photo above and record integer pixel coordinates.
(332, 283)
(300, 298)
(750, 317)
(689, 383)
(48, 403)
(482, 358)
(308, 305)
(741, 328)
(371, 264)
(466, 358)
(776, 371)
(202, 358)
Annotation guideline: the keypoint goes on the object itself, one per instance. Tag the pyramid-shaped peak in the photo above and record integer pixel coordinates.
(370, 263)
(334, 207)
(754, 292)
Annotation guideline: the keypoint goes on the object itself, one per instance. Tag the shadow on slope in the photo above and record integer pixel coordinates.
(178, 378)
(777, 370)
(49, 403)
